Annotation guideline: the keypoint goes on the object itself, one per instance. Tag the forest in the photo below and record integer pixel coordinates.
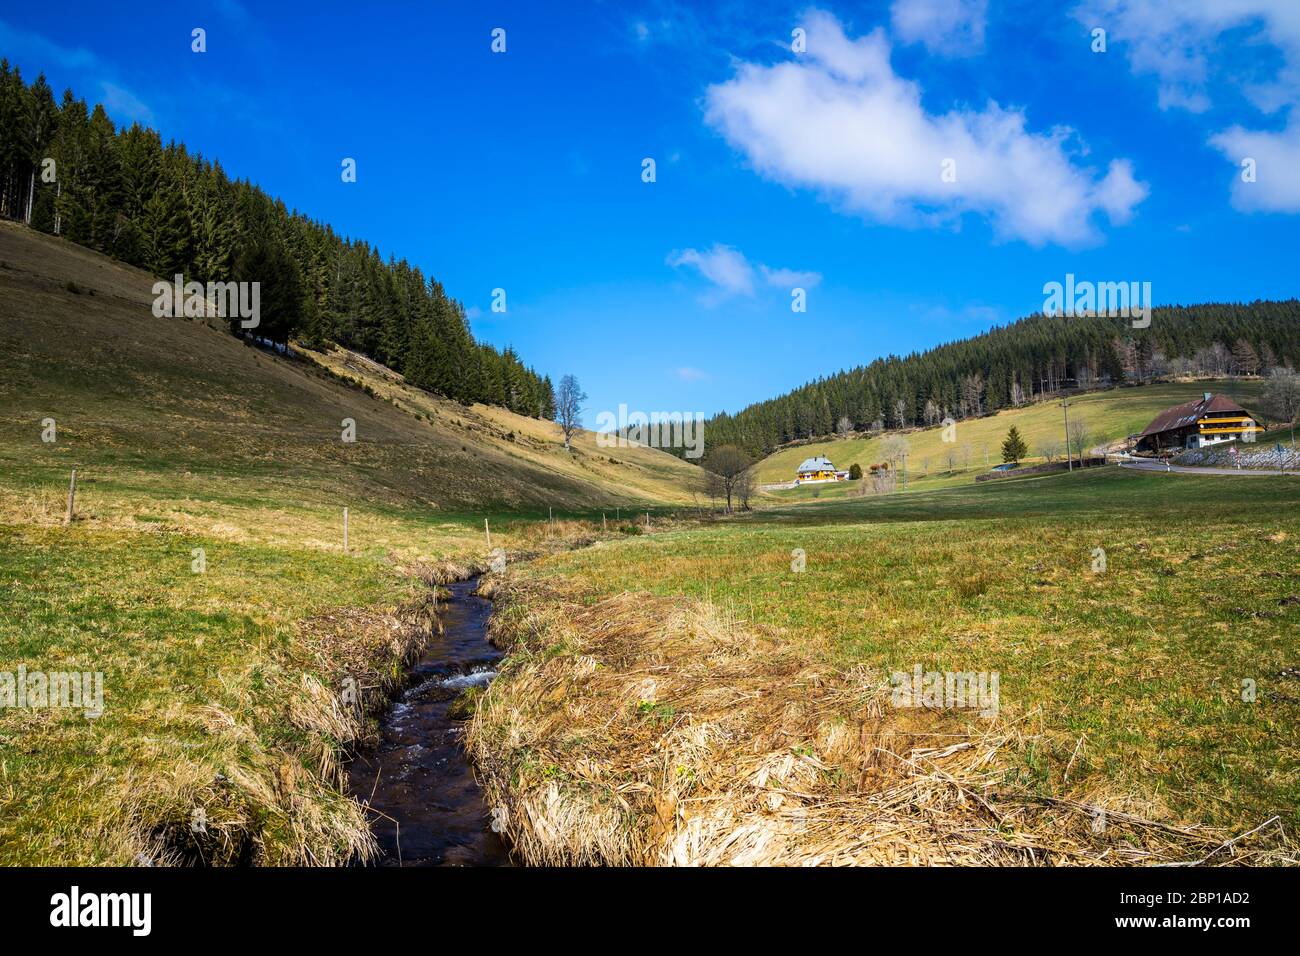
(67, 170)
(1018, 363)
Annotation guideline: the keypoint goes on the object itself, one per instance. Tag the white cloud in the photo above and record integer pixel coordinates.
(1179, 42)
(953, 27)
(840, 120)
(790, 278)
(42, 50)
(1189, 45)
(688, 374)
(124, 104)
(1277, 167)
(732, 274)
(722, 265)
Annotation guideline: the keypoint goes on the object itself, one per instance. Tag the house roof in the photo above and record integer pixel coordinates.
(1180, 416)
(820, 463)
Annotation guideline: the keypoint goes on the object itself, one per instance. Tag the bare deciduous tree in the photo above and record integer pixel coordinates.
(972, 395)
(728, 466)
(844, 426)
(1079, 437)
(932, 413)
(1281, 397)
(746, 486)
(894, 448)
(568, 406)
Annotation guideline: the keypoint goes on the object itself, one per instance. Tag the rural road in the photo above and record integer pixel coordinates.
(1141, 465)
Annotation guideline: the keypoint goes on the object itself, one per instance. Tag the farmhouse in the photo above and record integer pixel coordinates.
(818, 469)
(1197, 424)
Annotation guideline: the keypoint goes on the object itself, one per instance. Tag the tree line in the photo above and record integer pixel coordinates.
(1016, 364)
(66, 169)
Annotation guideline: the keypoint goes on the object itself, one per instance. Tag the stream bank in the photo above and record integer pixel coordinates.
(425, 806)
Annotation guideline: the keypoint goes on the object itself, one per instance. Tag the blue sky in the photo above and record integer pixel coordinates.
(820, 169)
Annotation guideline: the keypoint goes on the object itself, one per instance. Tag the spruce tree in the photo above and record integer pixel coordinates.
(1013, 446)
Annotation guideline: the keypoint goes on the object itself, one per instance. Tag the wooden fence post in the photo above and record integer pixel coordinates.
(72, 499)
(488, 532)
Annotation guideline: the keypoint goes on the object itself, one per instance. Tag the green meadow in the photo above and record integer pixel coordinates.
(1156, 683)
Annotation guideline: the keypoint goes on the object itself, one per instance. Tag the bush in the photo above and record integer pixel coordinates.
(855, 472)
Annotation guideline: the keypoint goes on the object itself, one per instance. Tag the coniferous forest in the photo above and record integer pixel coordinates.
(1019, 363)
(125, 193)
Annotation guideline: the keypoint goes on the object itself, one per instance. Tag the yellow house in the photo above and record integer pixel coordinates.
(818, 469)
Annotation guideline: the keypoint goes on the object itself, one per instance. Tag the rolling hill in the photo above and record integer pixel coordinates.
(1108, 415)
(135, 395)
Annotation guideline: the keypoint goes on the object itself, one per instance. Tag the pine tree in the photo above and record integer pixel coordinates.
(548, 400)
(269, 265)
(1013, 446)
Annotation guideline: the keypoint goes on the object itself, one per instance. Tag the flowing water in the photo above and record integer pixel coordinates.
(426, 808)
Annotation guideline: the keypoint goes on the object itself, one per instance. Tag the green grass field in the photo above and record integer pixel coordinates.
(1124, 686)
(201, 674)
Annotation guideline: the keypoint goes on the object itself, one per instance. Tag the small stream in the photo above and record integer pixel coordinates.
(426, 808)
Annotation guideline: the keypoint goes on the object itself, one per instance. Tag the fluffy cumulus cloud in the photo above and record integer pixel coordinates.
(725, 267)
(1178, 43)
(1193, 47)
(839, 120)
(1276, 165)
(953, 27)
(730, 273)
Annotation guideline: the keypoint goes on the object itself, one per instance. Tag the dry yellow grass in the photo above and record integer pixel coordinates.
(640, 730)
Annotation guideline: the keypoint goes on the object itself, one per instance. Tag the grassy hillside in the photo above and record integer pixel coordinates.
(1109, 415)
(693, 697)
(136, 395)
(205, 576)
